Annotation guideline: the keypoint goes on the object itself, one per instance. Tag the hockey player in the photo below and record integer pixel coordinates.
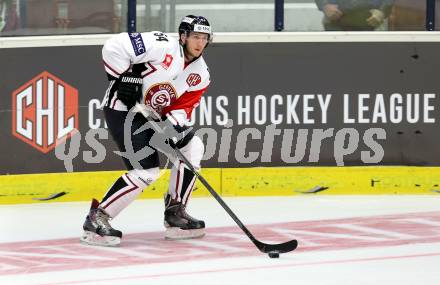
(170, 76)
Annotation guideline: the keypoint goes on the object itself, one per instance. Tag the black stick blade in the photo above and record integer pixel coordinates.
(280, 248)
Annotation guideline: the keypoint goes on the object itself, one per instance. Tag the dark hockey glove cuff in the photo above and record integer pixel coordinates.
(129, 88)
(178, 136)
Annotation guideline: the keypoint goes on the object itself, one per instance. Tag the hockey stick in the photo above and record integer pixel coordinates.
(263, 247)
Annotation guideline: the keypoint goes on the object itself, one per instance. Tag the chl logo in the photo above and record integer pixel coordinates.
(193, 79)
(160, 95)
(43, 110)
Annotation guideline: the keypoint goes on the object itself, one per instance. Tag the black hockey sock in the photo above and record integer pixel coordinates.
(118, 185)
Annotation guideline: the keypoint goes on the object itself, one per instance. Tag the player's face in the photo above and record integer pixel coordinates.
(195, 44)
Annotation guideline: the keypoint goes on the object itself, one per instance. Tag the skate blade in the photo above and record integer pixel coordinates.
(179, 234)
(90, 238)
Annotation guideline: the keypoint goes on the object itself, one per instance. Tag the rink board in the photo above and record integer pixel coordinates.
(82, 186)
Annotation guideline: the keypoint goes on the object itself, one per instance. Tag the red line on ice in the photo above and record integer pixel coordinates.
(150, 247)
(234, 269)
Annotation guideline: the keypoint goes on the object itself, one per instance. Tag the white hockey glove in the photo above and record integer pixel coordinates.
(173, 134)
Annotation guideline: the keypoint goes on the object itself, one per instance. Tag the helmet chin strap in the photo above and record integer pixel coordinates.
(181, 43)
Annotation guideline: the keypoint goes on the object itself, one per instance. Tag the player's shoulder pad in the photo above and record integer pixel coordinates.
(154, 44)
(198, 77)
(137, 42)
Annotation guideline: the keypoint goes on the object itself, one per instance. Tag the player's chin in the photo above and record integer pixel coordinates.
(197, 53)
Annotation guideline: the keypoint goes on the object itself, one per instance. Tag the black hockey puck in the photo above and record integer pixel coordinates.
(274, 254)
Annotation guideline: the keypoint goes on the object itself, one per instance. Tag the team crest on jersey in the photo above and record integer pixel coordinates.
(160, 95)
(167, 61)
(193, 79)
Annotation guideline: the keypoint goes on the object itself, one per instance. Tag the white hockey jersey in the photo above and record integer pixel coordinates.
(169, 86)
